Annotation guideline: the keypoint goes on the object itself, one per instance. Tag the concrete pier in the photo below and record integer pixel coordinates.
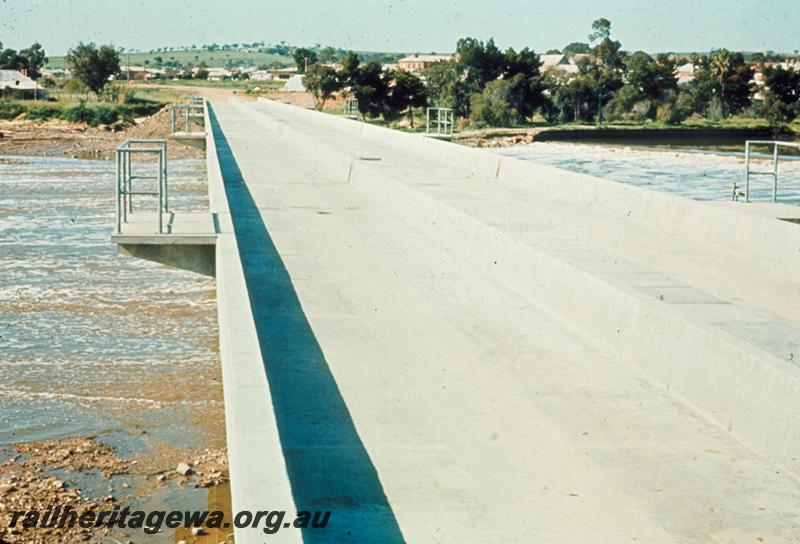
(438, 344)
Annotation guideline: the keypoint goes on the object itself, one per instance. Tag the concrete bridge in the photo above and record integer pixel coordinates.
(438, 344)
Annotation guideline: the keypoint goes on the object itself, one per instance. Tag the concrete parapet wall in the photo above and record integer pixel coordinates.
(259, 480)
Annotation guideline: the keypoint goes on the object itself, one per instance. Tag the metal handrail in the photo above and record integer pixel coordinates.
(351, 107)
(124, 186)
(185, 112)
(774, 172)
(444, 121)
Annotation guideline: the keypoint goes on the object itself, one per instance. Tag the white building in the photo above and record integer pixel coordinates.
(261, 75)
(418, 63)
(684, 73)
(294, 84)
(218, 74)
(14, 79)
(561, 62)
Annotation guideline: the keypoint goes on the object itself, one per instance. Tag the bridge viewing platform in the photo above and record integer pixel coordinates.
(439, 344)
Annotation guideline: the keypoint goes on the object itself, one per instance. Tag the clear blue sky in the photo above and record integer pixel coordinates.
(402, 25)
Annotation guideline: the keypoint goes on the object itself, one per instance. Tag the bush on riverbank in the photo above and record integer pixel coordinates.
(113, 115)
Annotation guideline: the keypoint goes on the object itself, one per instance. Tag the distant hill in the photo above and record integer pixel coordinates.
(219, 58)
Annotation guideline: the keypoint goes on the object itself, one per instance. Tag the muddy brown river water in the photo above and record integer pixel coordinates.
(96, 343)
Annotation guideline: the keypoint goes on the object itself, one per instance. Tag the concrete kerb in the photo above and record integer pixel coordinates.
(259, 479)
(738, 386)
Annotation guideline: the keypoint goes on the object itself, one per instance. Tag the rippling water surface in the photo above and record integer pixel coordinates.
(92, 341)
(701, 176)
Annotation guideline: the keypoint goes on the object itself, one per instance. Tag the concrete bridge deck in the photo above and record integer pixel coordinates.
(441, 345)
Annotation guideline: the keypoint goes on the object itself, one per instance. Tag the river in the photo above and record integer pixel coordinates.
(697, 174)
(92, 342)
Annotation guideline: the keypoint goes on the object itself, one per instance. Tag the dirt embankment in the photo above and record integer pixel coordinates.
(499, 137)
(62, 139)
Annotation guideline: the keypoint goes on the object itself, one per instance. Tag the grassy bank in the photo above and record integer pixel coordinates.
(114, 115)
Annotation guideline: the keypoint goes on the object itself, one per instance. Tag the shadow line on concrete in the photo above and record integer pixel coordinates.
(328, 466)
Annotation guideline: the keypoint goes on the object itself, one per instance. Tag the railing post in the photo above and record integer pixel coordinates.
(129, 184)
(747, 171)
(160, 194)
(164, 170)
(118, 193)
(775, 173)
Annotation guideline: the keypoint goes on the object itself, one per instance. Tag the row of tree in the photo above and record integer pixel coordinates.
(388, 94)
(502, 88)
(492, 87)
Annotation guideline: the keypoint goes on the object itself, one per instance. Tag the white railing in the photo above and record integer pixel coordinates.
(125, 190)
(773, 173)
(442, 120)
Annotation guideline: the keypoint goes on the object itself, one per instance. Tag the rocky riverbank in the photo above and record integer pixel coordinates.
(37, 476)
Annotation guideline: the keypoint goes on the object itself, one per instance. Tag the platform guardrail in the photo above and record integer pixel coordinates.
(775, 144)
(442, 120)
(125, 190)
(183, 114)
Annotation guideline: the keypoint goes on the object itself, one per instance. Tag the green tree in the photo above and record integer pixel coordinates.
(782, 100)
(478, 64)
(481, 63)
(9, 59)
(569, 97)
(32, 59)
(93, 66)
(654, 78)
(605, 66)
(349, 72)
(492, 107)
(407, 92)
(526, 89)
(725, 76)
(327, 54)
(601, 30)
(303, 57)
(371, 89)
(441, 79)
(575, 48)
(783, 84)
(322, 82)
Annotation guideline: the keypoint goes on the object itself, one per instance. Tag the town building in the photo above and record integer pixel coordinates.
(14, 79)
(561, 62)
(418, 63)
